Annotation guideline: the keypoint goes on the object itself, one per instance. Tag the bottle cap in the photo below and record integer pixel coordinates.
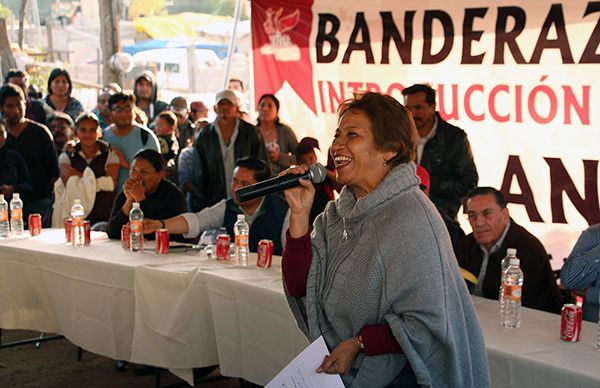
(1, 197)
(241, 217)
(15, 195)
(514, 261)
(77, 202)
(511, 252)
(136, 205)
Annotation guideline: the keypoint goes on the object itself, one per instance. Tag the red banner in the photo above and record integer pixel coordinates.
(280, 40)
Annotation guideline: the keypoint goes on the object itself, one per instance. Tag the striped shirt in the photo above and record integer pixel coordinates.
(582, 268)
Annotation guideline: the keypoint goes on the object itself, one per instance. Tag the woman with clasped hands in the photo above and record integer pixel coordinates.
(158, 197)
(376, 276)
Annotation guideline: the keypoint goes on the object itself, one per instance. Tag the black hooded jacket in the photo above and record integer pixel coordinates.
(158, 105)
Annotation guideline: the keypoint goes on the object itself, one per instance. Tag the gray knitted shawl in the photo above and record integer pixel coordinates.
(387, 257)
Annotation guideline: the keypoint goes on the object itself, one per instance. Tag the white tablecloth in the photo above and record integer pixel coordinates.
(142, 307)
(255, 331)
(180, 311)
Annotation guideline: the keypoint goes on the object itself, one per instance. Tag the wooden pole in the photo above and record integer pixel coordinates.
(7, 61)
(109, 39)
(21, 22)
(49, 27)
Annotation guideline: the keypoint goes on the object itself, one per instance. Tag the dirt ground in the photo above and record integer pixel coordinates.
(55, 364)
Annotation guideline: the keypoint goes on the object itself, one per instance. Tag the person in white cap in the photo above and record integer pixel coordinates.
(217, 148)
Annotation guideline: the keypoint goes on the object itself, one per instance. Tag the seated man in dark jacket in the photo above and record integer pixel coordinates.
(158, 197)
(268, 217)
(482, 251)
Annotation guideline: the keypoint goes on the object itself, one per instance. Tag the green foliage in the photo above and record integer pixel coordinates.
(5, 12)
(43, 7)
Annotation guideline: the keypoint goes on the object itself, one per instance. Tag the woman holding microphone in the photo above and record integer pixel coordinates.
(376, 276)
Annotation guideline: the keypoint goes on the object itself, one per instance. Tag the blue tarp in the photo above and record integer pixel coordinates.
(219, 49)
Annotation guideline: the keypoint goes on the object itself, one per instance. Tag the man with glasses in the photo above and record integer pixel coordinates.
(482, 251)
(124, 136)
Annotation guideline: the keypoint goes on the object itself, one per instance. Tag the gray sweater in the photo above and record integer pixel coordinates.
(396, 265)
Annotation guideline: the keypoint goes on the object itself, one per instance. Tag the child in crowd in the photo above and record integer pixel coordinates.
(166, 126)
(305, 154)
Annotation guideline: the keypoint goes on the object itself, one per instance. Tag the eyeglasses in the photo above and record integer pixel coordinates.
(485, 213)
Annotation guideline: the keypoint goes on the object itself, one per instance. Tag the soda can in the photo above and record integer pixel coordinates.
(87, 232)
(570, 325)
(125, 241)
(265, 253)
(223, 241)
(35, 224)
(161, 237)
(68, 230)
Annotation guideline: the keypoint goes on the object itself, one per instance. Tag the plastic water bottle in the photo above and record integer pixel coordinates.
(4, 224)
(136, 216)
(510, 253)
(241, 230)
(16, 215)
(513, 285)
(77, 230)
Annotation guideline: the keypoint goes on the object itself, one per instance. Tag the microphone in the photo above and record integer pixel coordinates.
(316, 173)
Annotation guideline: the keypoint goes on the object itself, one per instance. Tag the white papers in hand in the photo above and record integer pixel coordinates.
(301, 372)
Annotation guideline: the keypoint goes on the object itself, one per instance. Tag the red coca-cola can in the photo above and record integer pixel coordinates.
(35, 224)
(223, 241)
(265, 253)
(87, 232)
(125, 241)
(162, 241)
(570, 325)
(68, 230)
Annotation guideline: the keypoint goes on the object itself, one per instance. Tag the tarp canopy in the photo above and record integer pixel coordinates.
(176, 26)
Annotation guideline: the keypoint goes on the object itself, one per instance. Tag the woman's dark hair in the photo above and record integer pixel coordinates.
(393, 129)
(57, 73)
(275, 101)
(152, 157)
(86, 116)
(261, 169)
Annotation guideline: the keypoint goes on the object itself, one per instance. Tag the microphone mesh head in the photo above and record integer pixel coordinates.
(317, 173)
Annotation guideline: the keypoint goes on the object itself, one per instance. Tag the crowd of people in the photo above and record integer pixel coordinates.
(375, 271)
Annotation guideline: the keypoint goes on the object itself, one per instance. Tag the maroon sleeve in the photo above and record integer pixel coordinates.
(379, 339)
(297, 256)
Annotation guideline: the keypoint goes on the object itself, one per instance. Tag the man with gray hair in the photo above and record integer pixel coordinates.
(482, 251)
